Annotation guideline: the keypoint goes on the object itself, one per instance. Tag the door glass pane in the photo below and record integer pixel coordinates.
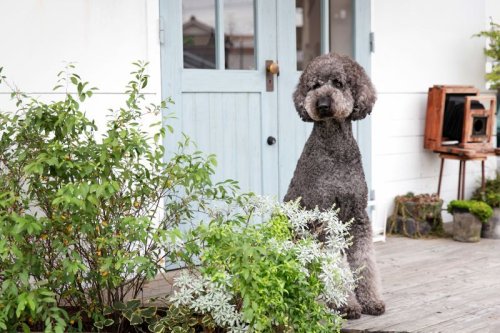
(198, 30)
(239, 34)
(341, 34)
(308, 31)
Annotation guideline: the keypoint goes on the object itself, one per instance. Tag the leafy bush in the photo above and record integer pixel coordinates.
(85, 221)
(480, 209)
(275, 275)
(493, 51)
(491, 195)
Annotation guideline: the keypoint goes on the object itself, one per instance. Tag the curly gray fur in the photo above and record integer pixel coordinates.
(330, 171)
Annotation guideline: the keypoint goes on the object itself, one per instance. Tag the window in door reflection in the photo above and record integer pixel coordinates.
(308, 29)
(239, 34)
(198, 31)
(341, 34)
(199, 34)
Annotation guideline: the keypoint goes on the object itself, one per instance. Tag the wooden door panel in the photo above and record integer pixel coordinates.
(229, 126)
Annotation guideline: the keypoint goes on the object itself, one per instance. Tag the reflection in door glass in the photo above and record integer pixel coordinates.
(308, 31)
(341, 27)
(198, 29)
(239, 34)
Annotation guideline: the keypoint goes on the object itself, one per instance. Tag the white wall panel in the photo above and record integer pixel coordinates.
(103, 38)
(424, 42)
(420, 43)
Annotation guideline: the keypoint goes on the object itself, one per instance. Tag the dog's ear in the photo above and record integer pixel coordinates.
(363, 92)
(299, 96)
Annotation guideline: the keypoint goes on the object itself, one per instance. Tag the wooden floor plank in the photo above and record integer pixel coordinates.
(483, 320)
(437, 285)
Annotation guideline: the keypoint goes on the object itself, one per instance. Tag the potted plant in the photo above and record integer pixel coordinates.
(490, 195)
(416, 215)
(468, 217)
(493, 52)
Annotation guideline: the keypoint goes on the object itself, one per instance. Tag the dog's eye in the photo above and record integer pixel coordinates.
(316, 86)
(337, 84)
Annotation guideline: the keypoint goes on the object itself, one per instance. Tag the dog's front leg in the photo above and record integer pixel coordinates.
(361, 257)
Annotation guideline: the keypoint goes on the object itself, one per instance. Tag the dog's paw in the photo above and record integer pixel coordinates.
(351, 311)
(373, 307)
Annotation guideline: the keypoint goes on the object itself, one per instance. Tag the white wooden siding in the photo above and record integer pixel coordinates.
(420, 43)
(102, 38)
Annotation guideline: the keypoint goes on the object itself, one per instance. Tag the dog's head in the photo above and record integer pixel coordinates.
(336, 87)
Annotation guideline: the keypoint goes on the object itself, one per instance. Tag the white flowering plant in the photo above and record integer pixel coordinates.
(269, 276)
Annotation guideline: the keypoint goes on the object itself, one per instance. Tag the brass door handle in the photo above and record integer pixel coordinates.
(272, 69)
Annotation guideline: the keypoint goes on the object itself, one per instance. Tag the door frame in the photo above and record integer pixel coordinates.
(362, 54)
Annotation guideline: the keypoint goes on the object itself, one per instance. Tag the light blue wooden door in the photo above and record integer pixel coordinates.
(213, 64)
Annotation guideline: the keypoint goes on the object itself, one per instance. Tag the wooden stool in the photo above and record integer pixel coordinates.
(461, 171)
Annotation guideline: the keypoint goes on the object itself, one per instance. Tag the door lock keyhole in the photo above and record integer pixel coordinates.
(271, 140)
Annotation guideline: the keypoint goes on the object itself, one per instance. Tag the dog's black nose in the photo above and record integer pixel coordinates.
(323, 105)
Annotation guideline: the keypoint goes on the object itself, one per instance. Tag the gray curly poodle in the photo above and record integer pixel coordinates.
(333, 91)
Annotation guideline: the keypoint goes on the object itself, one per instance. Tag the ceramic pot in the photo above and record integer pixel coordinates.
(491, 229)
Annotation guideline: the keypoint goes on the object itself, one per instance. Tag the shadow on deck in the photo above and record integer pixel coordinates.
(436, 285)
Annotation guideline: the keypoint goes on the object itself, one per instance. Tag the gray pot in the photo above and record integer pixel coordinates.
(466, 227)
(491, 229)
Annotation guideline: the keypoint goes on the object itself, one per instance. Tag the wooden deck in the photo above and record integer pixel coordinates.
(436, 285)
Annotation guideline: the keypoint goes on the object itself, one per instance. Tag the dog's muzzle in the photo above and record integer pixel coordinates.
(323, 105)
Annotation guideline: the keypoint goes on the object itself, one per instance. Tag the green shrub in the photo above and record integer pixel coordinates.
(87, 219)
(276, 273)
(480, 209)
(491, 195)
(493, 52)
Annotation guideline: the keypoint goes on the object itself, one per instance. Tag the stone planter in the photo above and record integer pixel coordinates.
(416, 218)
(466, 227)
(491, 229)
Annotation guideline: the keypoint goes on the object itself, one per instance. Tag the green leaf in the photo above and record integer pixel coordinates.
(107, 310)
(178, 329)
(136, 319)
(26, 328)
(148, 312)
(133, 304)
(21, 304)
(157, 328)
(108, 322)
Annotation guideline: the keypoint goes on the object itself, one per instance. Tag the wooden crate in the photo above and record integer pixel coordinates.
(477, 124)
(436, 102)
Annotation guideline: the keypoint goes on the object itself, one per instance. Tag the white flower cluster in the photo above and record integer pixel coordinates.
(336, 276)
(203, 296)
(338, 281)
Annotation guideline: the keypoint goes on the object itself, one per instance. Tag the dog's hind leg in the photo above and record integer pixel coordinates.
(361, 257)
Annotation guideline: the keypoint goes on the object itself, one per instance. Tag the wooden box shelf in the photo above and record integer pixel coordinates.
(459, 121)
